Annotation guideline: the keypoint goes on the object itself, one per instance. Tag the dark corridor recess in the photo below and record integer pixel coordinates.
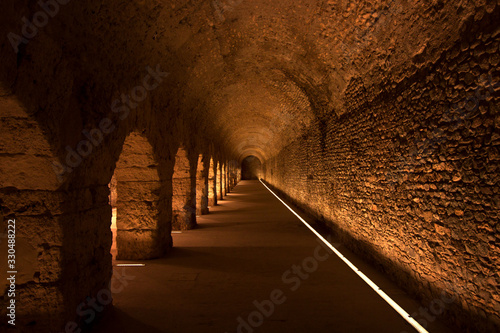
(251, 168)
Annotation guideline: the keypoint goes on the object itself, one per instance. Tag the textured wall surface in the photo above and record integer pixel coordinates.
(212, 184)
(410, 177)
(202, 185)
(141, 220)
(184, 192)
(29, 196)
(381, 117)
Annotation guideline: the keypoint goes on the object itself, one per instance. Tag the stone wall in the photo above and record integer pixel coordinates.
(63, 212)
(141, 222)
(184, 192)
(212, 183)
(223, 181)
(219, 185)
(264, 77)
(409, 177)
(58, 232)
(202, 185)
(29, 196)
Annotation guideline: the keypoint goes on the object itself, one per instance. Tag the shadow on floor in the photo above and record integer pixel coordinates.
(117, 321)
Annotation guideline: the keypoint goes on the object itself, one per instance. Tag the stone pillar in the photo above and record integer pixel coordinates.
(212, 183)
(218, 181)
(41, 244)
(183, 197)
(57, 232)
(138, 188)
(202, 185)
(222, 181)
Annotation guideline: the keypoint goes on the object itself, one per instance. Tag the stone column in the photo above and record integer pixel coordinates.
(218, 181)
(202, 185)
(212, 183)
(183, 197)
(137, 190)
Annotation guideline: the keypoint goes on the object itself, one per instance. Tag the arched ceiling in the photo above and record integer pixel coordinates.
(248, 75)
(270, 68)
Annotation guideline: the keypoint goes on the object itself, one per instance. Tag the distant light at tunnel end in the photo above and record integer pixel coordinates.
(406, 316)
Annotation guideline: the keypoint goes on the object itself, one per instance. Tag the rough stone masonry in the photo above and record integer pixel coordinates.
(381, 118)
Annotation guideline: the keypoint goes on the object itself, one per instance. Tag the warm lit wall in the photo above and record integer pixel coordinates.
(33, 209)
(212, 183)
(141, 219)
(219, 185)
(184, 192)
(410, 177)
(248, 81)
(202, 185)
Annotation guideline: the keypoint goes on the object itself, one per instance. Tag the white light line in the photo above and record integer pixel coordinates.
(376, 288)
(130, 265)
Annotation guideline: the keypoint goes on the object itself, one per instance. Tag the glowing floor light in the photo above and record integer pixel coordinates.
(130, 265)
(406, 316)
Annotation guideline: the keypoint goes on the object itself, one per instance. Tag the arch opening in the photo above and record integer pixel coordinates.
(184, 193)
(218, 181)
(212, 183)
(202, 185)
(135, 193)
(251, 168)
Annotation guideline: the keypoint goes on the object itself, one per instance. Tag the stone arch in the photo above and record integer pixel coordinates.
(202, 184)
(31, 201)
(140, 223)
(212, 183)
(184, 192)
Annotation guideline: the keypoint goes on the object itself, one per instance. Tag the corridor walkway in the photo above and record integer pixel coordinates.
(235, 273)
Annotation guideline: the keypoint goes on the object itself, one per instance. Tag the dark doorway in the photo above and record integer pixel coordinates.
(251, 168)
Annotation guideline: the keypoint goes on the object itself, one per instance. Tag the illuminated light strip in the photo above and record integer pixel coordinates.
(406, 316)
(177, 232)
(130, 265)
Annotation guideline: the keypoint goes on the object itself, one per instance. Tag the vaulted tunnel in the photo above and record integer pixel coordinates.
(379, 120)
